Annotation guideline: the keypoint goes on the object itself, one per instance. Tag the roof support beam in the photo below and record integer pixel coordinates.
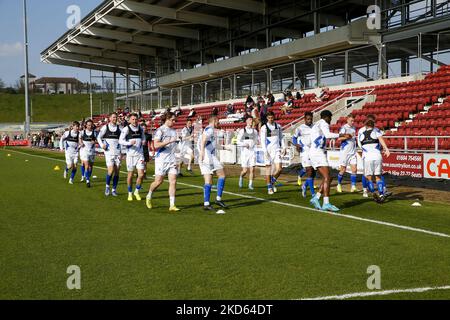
(242, 5)
(278, 31)
(104, 54)
(127, 52)
(325, 18)
(95, 60)
(414, 53)
(127, 37)
(88, 66)
(95, 43)
(174, 14)
(147, 27)
(363, 75)
(132, 48)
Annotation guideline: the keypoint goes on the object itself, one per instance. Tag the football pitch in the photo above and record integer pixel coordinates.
(264, 247)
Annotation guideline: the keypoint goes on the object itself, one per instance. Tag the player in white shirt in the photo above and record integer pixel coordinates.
(133, 138)
(271, 139)
(247, 139)
(108, 139)
(302, 141)
(186, 146)
(347, 154)
(165, 141)
(88, 139)
(209, 164)
(70, 144)
(317, 153)
(364, 180)
(370, 140)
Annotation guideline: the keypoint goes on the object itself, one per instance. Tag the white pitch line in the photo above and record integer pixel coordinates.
(389, 224)
(377, 293)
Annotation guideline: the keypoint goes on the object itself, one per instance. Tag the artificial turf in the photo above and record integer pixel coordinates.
(257, 250)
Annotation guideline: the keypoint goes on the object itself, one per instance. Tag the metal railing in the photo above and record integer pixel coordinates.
(292, 124)
(406, 145)
(414, 11)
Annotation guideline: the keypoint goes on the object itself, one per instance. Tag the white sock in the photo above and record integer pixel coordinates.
(318, 195)
(172, 201)
(219, 198)
(130, 193)
(241, 179)
(149, 195)
(326, 200)
(189, 166)
(250, 183)
(206, 204)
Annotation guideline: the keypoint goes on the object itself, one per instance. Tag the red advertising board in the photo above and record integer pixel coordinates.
(15, 143)
(404, 165)
(437, 166)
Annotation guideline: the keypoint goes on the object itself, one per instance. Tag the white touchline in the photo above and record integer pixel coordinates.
(377, 293)
(399, 226)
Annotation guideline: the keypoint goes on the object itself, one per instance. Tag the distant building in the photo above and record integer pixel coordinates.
(51, 85)
(31, 79)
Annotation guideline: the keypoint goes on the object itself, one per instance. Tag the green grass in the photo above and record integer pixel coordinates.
(258, 250)
(52, 108)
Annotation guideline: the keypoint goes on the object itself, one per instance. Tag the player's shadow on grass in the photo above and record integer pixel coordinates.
(355, 203)
(242, 202)
(337, 194)
(412, 195)
(231, 204)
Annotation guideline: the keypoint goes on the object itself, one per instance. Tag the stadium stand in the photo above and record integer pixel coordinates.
(415, 108)
(411, 109)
